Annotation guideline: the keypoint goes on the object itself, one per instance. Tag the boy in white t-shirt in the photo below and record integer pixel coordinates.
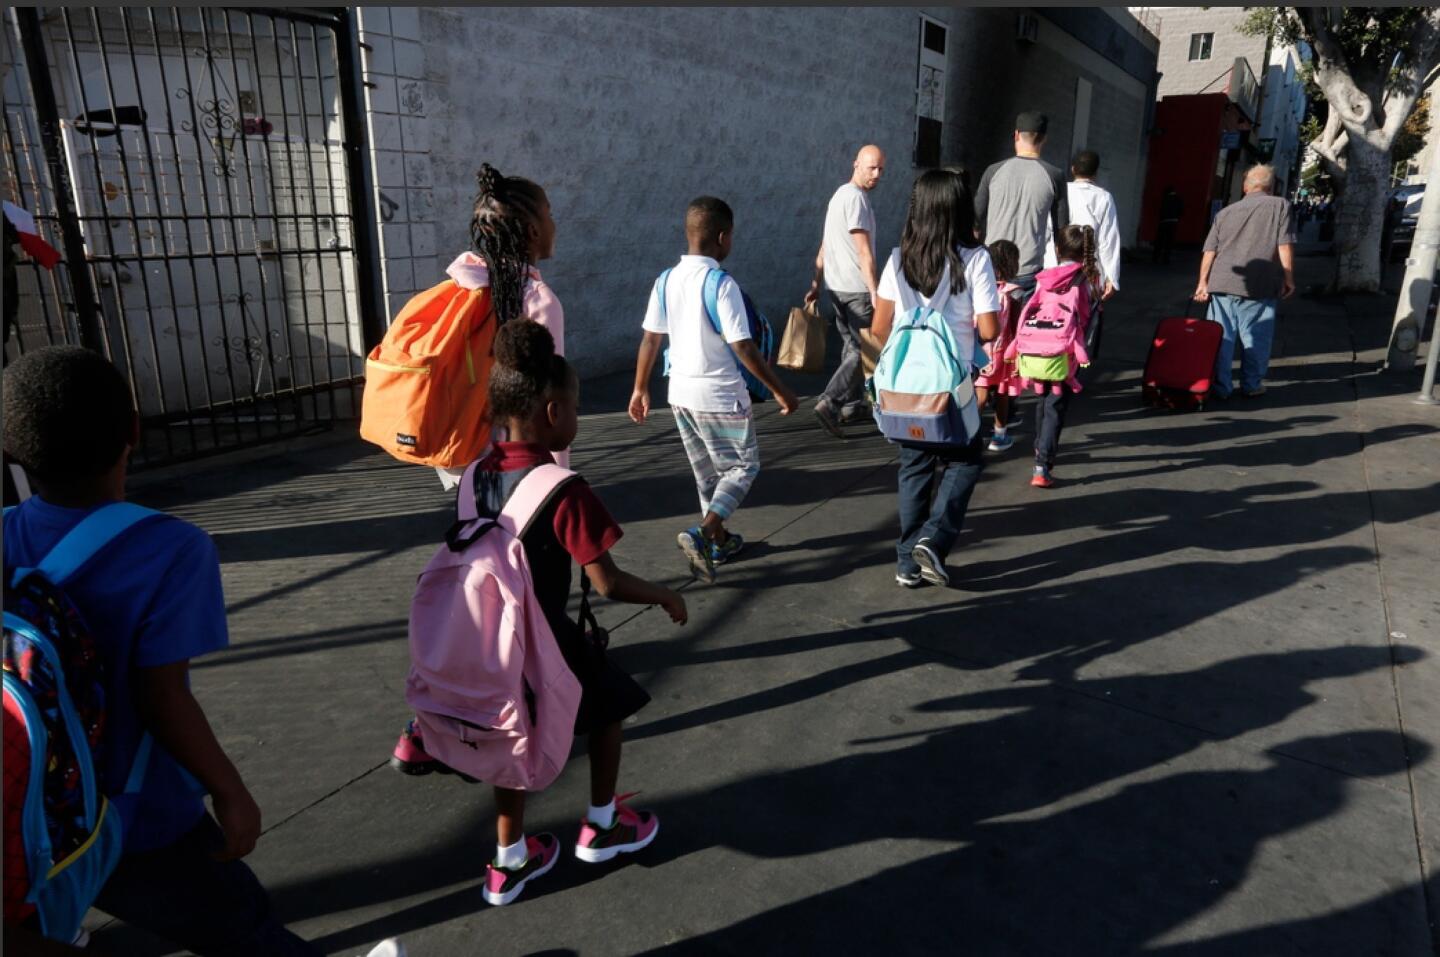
(707, 393)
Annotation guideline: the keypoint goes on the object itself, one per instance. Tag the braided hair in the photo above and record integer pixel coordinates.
(1077, 244)
(505, 209)
(527, 371)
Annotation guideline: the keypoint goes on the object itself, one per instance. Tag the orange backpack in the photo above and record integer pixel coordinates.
(426, 384)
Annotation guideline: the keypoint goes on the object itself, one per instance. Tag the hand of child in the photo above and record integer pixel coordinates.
(239, 817)
(787, 400)
(674, 606)
(639, 406)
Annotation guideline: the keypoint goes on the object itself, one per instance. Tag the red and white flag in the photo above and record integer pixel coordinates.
(30, 240)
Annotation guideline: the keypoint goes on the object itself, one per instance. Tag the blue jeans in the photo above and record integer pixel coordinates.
(938, 520)
(845, 394)
(211, 908)
(1252, 322)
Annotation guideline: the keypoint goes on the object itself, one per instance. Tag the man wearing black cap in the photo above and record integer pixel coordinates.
(1023, 199)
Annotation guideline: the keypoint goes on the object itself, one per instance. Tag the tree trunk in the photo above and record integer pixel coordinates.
(1359, 218)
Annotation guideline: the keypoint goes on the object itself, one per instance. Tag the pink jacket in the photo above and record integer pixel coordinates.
(541, 304)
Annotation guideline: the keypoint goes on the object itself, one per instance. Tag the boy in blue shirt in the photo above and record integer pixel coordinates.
(153, 600)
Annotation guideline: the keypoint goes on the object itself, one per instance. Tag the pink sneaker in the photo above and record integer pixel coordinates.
(410, 757)
(631, 831)
(502, 886)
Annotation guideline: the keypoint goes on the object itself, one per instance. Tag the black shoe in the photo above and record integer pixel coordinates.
(827, 419)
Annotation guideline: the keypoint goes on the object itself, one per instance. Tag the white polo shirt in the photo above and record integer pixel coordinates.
(704, 373)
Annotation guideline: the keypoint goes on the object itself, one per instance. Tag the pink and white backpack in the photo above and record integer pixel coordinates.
(492, 694)
(1049, 341)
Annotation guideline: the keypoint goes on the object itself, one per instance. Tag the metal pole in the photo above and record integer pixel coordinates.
(1427, 387)
(1419, 277)
(47, 112)
(361, 181)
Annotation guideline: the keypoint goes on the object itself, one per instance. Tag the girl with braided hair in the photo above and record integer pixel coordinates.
(511, 230)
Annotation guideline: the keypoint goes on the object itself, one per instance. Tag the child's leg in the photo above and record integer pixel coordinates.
(734, 455)
(706, 477)
(917, 481)
(1002, 411)
(605, 744)
(1053, 407)
(509, 817)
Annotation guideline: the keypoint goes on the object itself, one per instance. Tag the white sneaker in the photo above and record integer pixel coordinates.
(388, 948)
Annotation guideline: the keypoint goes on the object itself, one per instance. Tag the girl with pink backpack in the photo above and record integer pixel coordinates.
(494, 700)
(1049, 343)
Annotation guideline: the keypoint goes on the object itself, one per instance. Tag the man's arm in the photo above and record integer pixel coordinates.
(861, 239)
(1109, 242)
(1202, 288)
(644, 365)
(814, 292)
(749, 355)
(1287, 263)
(174, 718)
(982, 203)
(1060, 207)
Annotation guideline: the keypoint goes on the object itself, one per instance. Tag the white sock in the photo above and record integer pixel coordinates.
(602, 817)
(513, 856)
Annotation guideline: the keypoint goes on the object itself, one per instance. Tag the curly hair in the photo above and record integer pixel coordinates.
(505, 208)
(527, 370)
(69, 413)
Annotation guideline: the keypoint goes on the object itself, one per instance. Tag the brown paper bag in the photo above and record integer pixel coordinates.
(869, 351)
(802, 347)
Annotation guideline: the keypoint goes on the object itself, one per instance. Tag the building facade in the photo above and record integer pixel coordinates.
(255, 194)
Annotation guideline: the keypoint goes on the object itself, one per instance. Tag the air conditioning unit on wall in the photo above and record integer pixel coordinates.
(1027, 27)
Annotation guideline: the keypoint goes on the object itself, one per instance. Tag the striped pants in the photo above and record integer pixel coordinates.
(723, 455)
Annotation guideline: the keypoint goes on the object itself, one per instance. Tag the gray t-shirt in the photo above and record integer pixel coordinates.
(1245, 238)
(1015, 199)
(849, 209)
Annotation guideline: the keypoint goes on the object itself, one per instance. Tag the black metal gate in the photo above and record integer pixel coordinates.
(201, 171)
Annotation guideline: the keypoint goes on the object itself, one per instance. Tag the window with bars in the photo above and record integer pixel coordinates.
(930, 92)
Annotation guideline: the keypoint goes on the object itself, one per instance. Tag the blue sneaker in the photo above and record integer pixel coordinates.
(697, 551)
(1000, 443)
(720, 554)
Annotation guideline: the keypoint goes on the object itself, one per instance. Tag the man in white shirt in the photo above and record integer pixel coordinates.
(846, 265)
(1092, 205)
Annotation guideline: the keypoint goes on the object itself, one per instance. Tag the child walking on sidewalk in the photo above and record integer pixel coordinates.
(1049, 341)
(707, 392)
(511, 231)
(534, 393)
(999, 378)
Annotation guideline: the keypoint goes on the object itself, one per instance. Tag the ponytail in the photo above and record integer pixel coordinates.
(505, 209)
(1077, 244)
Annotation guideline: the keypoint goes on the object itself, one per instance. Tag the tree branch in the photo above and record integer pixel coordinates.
(1335, 74)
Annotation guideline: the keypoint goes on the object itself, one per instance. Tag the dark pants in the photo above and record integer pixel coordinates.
(1164, 242)
(845, 394)
(1051, 413)
(938, 519)
(206, 906)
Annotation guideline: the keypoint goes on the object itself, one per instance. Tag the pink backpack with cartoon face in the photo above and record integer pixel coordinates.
(492, 694)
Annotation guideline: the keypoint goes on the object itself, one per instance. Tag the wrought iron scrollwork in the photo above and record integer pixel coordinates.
(217, 116)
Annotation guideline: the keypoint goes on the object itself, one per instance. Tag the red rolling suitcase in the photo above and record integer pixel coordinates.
(1181, 364)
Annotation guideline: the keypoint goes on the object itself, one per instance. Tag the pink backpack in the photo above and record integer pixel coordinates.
(1051, 330)
(491, 691)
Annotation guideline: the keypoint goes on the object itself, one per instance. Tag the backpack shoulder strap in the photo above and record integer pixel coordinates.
(710, 294)
(83, 542)
(660, 292)
(531, 496)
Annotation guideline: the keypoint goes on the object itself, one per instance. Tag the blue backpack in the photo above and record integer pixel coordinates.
(760, 332)
(55, 678)
(922, 392)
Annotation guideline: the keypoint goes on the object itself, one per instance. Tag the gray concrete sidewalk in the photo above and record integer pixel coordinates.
(1183, 703)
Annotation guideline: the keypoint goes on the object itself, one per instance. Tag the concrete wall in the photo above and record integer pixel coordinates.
(1181, 75)
(624, 115)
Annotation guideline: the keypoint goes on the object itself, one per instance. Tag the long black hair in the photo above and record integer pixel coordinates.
(505, 209)
(939, 223)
